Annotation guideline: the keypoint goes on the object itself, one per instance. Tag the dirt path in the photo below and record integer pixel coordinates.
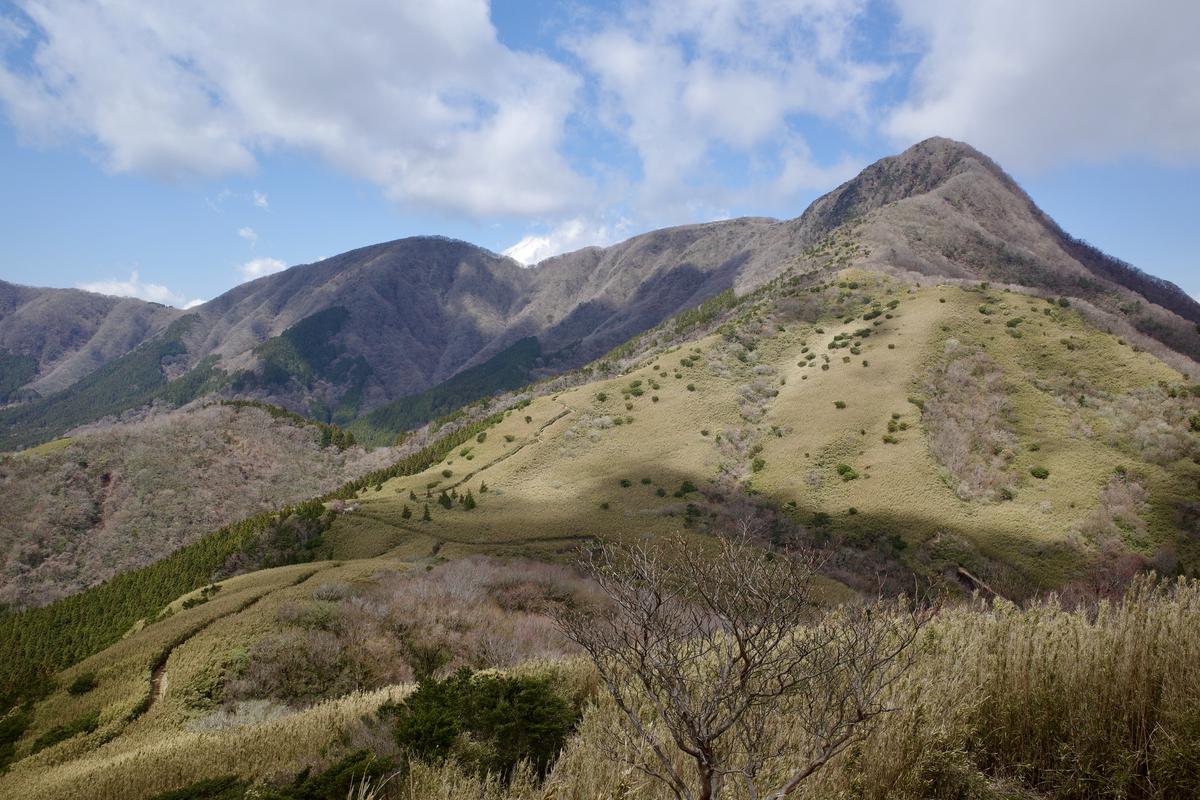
(158, 672)
(537, 438)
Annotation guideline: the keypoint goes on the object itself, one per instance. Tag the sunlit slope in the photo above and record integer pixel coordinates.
(714, 408)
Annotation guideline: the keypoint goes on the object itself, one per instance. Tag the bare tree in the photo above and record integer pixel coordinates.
(724, 658)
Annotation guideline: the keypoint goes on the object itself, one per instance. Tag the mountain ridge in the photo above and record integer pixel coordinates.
(421, 310)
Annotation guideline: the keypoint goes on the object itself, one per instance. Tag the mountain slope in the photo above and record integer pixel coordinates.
(901, 426)
(67, 333)
(111, 500)
(385, 326)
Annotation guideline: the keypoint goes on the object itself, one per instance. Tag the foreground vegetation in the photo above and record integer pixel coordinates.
(1000, 701)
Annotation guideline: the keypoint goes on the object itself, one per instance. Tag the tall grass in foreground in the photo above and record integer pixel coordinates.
(1004, 703)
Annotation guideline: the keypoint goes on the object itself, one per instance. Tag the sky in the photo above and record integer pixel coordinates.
(170, 151)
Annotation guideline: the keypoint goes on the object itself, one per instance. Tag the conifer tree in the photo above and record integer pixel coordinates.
(425, 517)
(412, 495)
(406, 513)
(482, 487)
(468, 500)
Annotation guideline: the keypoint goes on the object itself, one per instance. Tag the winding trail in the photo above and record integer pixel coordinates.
(537, 438)
(158, 670)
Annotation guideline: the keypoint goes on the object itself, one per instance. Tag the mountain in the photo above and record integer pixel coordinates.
(922, 379)
(50, 338)
(389, 328)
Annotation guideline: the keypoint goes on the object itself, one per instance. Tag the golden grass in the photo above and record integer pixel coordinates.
(547, 486)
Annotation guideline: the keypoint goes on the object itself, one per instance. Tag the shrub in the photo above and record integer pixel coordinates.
(528, 419)
(83, 684)
(1041, 473)
(661, 492)
(691, 387)
(481, 437)
(508, 437)
(446, 473)
(757, 465)
(847, 472)
(626, 483)
(839, 404)
(490, 723)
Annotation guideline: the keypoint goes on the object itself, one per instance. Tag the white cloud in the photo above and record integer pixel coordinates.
(420, 98)
(686, 79)
(1036, 83)
(248, 234)
(260, 199)
(134, 287)
(258, 267)
(570, 235)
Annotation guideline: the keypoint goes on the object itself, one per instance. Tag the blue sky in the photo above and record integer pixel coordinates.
(170, 151)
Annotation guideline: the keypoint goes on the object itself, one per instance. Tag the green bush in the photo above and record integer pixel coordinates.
(488, 722)
(1041, 473)
(83, 684)
(685, 488)
(839, 403)
(446, 473)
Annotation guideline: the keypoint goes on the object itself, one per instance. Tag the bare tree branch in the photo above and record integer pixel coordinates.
(727, 659)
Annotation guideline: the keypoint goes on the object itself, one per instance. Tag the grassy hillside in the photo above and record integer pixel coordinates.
(811, 402)
(1001, 702)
